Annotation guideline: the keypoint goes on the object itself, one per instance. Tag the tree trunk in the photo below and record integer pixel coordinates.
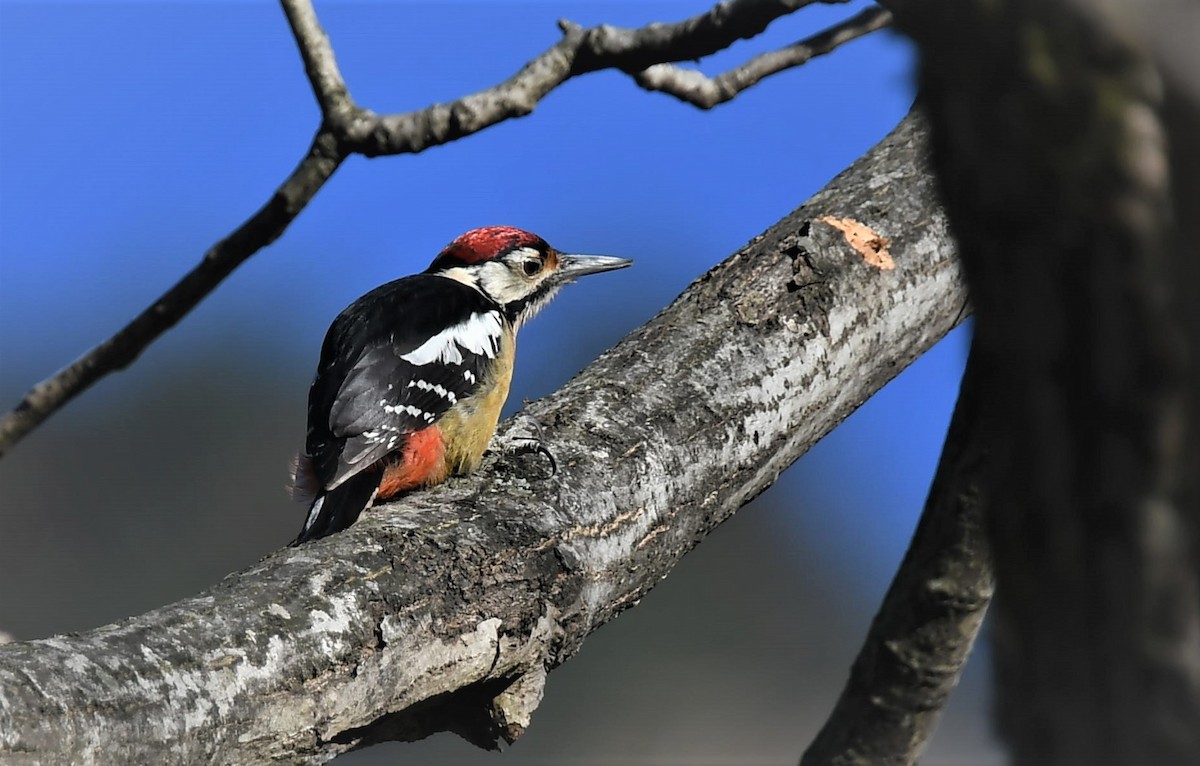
(1049, 146)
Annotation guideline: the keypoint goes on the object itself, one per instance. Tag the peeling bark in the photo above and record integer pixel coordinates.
(444, 611)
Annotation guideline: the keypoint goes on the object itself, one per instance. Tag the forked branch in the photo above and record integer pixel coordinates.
(696, 88)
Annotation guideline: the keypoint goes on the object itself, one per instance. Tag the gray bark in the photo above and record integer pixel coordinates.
(445, 610)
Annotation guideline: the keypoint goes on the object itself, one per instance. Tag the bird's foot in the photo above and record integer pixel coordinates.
(528, 443)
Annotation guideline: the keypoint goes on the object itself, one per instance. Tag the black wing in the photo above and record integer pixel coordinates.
(392, 363)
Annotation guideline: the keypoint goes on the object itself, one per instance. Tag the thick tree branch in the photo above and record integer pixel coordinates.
(444, 611)
(347, 129)
(696, 88)
(920, 639)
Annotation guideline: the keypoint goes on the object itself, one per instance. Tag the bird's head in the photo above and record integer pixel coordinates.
(516, 269)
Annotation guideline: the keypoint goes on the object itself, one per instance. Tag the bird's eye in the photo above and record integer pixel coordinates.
(531, 267)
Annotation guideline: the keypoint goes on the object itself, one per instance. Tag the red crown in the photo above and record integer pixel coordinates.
(488, 242)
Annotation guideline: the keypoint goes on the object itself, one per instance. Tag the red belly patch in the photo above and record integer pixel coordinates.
(420, 462)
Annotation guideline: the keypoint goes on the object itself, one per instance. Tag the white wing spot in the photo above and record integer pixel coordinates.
(396, 409)
(427, 386)
(313, 513)
(478, 335)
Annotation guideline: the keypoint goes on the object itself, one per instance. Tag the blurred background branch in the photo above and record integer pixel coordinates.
(919, 642)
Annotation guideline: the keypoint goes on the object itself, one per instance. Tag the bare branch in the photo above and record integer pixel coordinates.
(924, 631)
(411, 132)
(445, 611)
(696, 88)
(319, 62)
(632, 50)
(348, 129)
(579, 52)
(119, 351)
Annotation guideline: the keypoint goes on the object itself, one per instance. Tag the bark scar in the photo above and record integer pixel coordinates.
(867, 242)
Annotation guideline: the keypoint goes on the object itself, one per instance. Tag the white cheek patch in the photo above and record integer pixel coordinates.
(504, 285)
(479, 335)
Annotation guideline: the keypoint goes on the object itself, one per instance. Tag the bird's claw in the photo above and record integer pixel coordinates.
(533, 445)
(530, 442)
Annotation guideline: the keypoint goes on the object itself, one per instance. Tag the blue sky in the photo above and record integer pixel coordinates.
(134, 135)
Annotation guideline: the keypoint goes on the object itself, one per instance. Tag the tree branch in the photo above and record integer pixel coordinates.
(347, 129)
(119, 351)
(698, 89)
(920, 639)
(445, 610)
(632, 50)
(319, 62)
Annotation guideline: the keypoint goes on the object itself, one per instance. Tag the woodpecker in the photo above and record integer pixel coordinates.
(412, 375)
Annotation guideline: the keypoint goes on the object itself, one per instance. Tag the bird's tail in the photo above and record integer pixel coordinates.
(338, 508)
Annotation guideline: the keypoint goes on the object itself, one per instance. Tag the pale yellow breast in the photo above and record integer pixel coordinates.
(468, 427)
